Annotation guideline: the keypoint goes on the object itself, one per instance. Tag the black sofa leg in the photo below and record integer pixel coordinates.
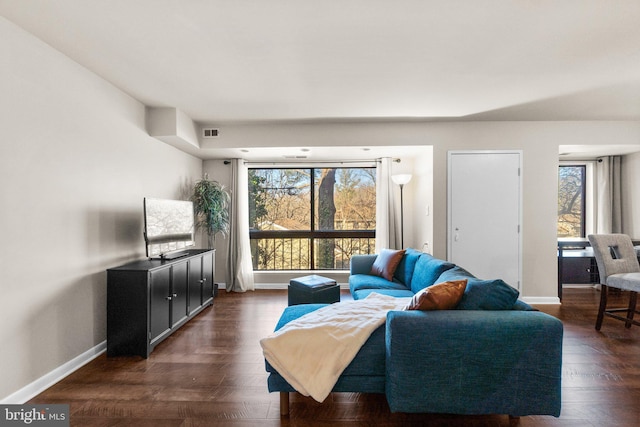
(284, 404)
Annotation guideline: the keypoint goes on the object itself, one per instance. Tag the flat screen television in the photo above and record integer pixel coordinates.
(168, 227)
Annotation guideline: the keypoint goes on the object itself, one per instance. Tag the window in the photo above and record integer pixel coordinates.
(312, 218)
(572, 199)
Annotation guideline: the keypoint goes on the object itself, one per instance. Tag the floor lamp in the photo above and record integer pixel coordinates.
(401, 180)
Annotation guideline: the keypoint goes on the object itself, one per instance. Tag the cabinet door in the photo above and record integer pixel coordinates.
(208, 270)
(160, 283)
(195, 284)
(576, 270)
(179, 292)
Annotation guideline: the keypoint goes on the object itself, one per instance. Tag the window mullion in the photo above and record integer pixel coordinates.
(312, 261)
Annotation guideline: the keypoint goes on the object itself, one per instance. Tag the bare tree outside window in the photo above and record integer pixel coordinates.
(571, 201)
(307, 219)
(326, 214)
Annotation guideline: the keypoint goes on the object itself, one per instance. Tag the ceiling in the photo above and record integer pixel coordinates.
(247, 61)
(586, 152)
(300, 155)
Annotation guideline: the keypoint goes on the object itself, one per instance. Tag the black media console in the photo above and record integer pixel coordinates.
(148, 300)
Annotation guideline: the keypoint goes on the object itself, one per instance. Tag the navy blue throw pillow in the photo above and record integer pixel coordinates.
(488, 295)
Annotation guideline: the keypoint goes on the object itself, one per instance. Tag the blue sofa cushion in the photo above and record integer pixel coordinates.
(295, 311)
(405, 269)
(368, 281)
(488, 295)
(455, 273)
(398, 293)
(428, 269)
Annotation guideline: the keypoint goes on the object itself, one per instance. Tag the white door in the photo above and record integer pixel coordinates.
(484, 211)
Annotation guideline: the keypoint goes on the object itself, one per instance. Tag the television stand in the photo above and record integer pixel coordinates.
(148, 300)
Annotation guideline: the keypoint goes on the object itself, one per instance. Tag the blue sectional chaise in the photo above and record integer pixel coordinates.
(493, 354)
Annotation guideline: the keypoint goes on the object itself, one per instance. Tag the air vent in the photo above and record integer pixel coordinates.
(209, 133)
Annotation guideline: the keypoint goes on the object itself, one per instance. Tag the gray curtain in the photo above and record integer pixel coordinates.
(608, 195)
(239, 272)
(387, 235)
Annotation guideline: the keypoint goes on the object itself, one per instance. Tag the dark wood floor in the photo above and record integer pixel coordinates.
(211, 373)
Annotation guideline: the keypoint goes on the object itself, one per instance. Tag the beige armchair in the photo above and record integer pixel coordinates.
(618, 268)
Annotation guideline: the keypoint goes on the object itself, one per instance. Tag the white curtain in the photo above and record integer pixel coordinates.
(386, 219)
(608, 195)
(239, 273)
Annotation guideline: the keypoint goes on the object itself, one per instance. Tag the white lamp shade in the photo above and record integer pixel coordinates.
(401, 179)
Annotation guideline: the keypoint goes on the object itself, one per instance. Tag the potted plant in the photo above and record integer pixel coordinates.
(211, 207)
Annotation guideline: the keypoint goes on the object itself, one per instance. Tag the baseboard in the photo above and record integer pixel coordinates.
(38, 386)
(541, 300)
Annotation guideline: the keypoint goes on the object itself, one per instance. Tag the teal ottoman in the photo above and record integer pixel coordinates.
(313, 289)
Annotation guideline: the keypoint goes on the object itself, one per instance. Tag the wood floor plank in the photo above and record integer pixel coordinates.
(211, 373)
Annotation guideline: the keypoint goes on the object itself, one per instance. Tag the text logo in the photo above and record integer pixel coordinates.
(34, 415)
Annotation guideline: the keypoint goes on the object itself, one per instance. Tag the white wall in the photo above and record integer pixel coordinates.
(631, 195)
(419, 202)
(75, 164)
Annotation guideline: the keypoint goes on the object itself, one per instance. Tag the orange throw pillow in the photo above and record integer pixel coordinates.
(386, 263)
(443, 296)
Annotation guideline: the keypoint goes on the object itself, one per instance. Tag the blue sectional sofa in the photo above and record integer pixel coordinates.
(492, 354)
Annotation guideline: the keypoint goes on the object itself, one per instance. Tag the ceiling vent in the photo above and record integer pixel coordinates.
(209, 133)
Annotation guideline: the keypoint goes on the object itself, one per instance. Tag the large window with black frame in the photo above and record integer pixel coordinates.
(311, 218)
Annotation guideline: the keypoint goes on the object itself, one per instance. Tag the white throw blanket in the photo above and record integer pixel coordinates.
(311, 352)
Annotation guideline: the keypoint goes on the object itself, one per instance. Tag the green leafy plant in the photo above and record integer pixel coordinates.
(211, 205)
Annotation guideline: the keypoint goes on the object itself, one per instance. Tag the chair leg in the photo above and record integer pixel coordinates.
(632, 308)
(603, 305)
